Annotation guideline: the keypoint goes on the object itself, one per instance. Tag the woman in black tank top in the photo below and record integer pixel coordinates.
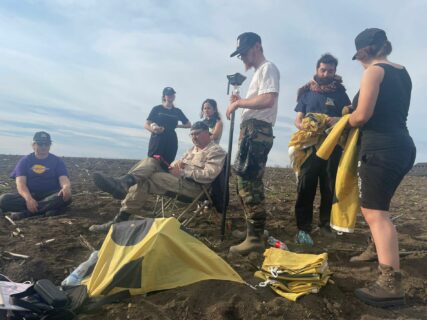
(387, 153)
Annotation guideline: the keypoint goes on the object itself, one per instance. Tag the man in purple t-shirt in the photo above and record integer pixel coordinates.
(42, 183)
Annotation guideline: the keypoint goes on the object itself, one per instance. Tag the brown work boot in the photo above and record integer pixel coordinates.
(117, 187)
(370, 254)
(253, 243)
(241, 235)
(387, 291)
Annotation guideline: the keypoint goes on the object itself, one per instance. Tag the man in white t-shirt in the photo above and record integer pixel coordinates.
(256, 136)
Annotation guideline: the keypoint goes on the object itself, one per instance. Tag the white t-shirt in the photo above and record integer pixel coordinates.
(265, 80)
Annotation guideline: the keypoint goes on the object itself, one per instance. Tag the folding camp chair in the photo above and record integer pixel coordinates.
(185, 209)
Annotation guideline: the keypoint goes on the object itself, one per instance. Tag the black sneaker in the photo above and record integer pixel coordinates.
(51, 213)
(15, 216)
(111, 185)
(326, 231)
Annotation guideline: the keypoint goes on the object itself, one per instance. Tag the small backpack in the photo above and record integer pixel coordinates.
(45, 301)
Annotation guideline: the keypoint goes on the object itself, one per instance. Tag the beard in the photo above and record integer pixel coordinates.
(323, 81)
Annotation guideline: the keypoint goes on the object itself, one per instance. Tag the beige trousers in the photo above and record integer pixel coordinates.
(153, 180)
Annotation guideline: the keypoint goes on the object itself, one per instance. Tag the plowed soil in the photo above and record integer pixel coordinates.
(217, 299)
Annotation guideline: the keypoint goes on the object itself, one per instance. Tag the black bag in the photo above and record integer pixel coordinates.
(46, 301)
(217, 192)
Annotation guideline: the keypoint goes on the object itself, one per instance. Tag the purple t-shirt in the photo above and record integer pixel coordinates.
(42, 174)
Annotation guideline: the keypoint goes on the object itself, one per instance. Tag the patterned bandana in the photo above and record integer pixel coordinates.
(314, 86)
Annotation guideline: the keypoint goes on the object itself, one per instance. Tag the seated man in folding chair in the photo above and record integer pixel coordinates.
(199, 166)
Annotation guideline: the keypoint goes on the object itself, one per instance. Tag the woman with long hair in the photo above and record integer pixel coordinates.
(210, 115)
(387, 153)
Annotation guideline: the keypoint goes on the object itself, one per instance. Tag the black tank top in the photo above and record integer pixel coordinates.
(387, 126)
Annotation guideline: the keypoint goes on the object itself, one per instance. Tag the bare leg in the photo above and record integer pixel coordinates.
(384, 235)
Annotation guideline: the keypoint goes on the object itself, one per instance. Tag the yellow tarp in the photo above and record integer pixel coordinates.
(346, 199)
(292, 275)
(153, 254)
(312, 132)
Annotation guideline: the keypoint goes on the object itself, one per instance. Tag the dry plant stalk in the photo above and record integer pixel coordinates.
(10, 220)
(86, 243)
(17, 255)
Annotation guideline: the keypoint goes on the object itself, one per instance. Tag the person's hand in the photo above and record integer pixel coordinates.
(175, 171)
(158, 130)
(231, 108)
(32, 205)
(177, 164)
(234, 98)
(65, 193)
(331, 121)
(298, 125)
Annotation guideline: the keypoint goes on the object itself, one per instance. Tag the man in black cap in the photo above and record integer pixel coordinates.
(199, 166)
(259, 112)
(42, 183)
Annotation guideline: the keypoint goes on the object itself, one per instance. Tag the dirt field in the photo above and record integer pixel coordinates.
(216, 299)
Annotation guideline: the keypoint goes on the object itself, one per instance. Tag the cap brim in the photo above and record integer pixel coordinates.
(235, 53)
(354, 57)
(241, 50)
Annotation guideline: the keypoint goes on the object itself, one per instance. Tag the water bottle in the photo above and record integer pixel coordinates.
(277, 243)
(79, 273)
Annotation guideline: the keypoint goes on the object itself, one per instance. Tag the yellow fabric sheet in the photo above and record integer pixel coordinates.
(312, 133)
(346, 199)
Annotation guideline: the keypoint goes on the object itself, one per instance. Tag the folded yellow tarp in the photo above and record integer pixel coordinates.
(292, 275)
(295, 263)
(346, 198)
(295, 289)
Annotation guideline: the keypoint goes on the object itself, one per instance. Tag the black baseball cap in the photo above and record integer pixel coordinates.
(199, 125)
(369, 37)
(42, 137)
(168, 91)
(246, 41)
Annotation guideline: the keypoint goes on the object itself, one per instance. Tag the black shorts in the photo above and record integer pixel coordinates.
(380, 173)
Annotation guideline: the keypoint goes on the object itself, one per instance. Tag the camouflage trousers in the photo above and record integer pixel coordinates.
(255, 142)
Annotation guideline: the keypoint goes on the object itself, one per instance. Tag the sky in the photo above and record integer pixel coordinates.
(89, 71)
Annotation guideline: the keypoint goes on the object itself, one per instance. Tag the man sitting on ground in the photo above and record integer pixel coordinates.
(199, 166)
(42, 183)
